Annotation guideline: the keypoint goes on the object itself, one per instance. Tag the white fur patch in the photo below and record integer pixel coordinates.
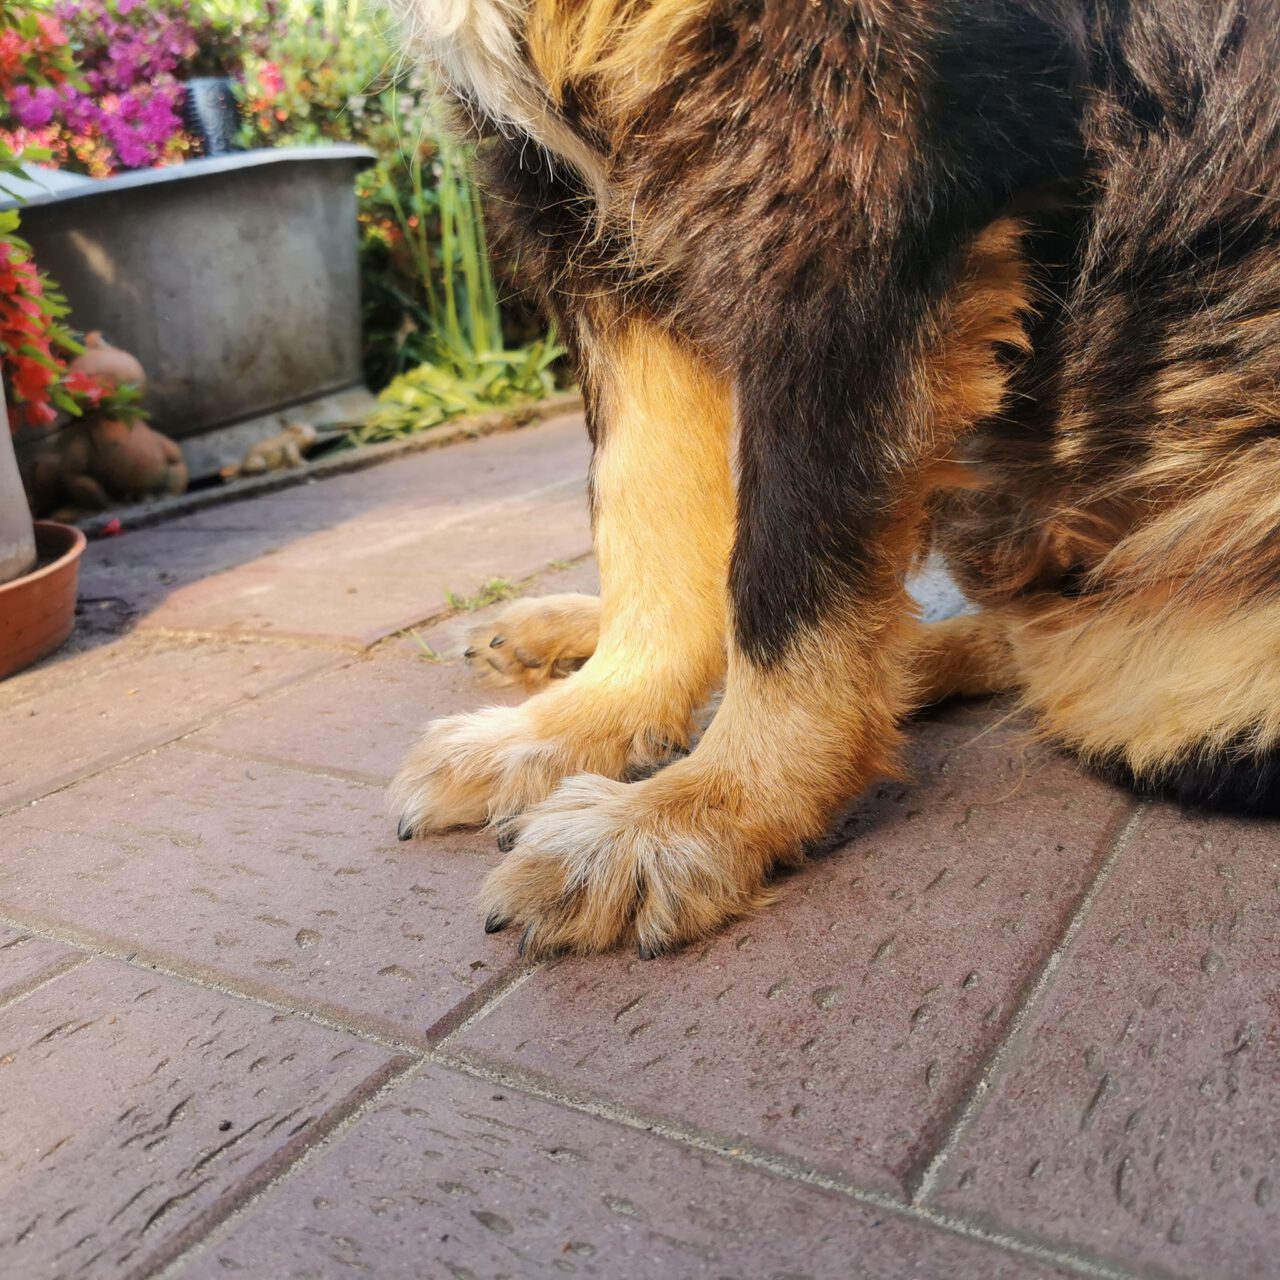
(475, 47)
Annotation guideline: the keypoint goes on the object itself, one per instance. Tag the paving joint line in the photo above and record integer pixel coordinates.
(295, 641)
(923, 1182)
(60, 970)
(243, 1197)
(503, 987)
(137, 958)
(775, 1164)
(9, 808)
(297, 766)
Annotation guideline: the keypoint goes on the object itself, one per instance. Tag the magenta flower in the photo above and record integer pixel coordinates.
(33, 108)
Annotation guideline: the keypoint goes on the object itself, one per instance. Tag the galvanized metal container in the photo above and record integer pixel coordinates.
(234, 279)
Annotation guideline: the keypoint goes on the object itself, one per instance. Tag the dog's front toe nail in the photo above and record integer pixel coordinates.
(468, 654)
(648, 952)
(525, 939)
(495, 922)
(405, 830)
(497, 642)
(507, 837)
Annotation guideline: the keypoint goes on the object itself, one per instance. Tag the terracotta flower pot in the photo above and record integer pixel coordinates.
(17, 542)
(38, 610)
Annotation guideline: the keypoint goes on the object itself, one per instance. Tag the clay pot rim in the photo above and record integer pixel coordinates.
(50, 536)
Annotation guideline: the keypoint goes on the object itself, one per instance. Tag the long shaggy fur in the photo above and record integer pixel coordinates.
(1000, 276)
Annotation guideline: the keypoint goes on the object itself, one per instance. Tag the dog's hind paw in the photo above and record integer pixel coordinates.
(532, 642)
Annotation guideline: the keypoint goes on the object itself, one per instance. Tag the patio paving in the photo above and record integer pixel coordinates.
(1016, 1023)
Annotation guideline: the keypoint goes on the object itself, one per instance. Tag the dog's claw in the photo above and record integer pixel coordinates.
(525, 938)
(468, 654)
(495, 922)
(646, 952)
(506, 839)
(497, 642)
(405, 830)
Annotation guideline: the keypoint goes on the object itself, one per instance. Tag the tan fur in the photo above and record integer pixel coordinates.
(622, 49)
(1152, 678)
(964, 657)
(529, 643)
(663, 527)
(984, 313)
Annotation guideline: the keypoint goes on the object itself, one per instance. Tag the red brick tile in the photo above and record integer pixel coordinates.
(356, 583)
(26, 961)
(455, 1177)
(284, 882)
(844, 1025)
(131, 1104)
(364, 718)
(125, 697)
(142, 567)
(352, 559)
(360, 720)
(1141, 1119)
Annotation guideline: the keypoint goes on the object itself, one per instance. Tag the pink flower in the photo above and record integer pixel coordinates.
(271, 79)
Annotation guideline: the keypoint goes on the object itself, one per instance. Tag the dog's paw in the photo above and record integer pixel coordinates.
(602, 863)
(532, 642)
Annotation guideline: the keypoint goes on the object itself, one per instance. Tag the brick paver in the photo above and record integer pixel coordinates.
(843, 1026)
(131, 1104)
(1143, 1116)
(362, 719)
(245, 1031)
(286, 883)
(122, 699)
(333, 563)
(456, 1177)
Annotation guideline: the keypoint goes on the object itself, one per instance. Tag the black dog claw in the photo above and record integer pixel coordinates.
(497, 642)
(405, 830)
(495, 922)
(506, 840)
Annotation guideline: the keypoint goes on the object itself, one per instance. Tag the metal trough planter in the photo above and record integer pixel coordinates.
(234, 279)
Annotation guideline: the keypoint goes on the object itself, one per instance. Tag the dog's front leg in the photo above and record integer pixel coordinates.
(816, 682)
(662, 507)
(838, 422)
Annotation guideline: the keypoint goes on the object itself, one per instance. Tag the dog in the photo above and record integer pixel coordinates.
(846, 280)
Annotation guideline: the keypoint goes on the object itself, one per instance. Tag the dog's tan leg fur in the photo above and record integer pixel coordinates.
(663, 495)
(964, 657)
(670, 858)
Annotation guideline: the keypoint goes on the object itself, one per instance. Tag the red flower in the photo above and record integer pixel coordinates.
(271, 79)
(83, 386)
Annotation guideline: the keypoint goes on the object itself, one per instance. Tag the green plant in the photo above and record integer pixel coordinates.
(458, 384)
(426, 652)
(432, 310)
(492, 592)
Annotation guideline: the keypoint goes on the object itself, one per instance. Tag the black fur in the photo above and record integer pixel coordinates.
(1233, 780)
